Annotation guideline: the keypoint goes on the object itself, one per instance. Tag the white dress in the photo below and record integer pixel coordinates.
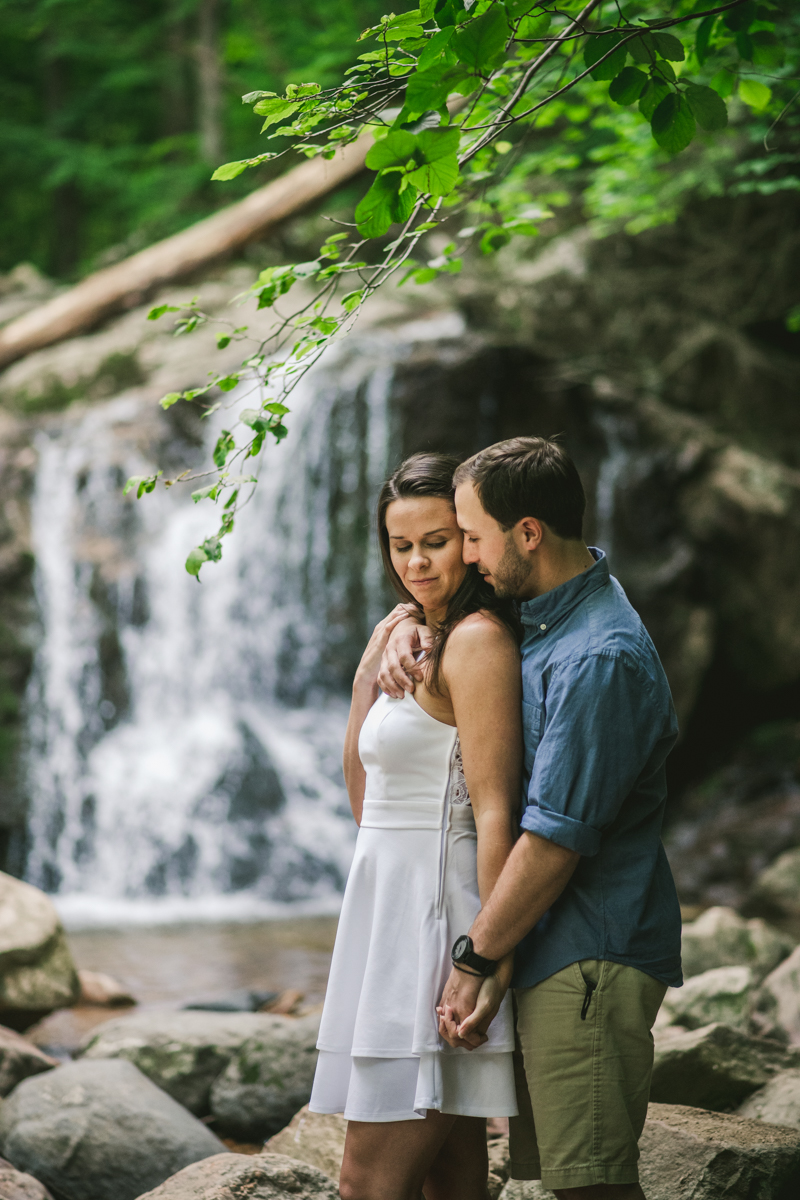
(412, 889)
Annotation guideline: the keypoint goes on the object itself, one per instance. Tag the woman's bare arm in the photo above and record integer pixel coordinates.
(365, 693)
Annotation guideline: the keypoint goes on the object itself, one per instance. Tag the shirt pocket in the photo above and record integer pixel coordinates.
(532, 721)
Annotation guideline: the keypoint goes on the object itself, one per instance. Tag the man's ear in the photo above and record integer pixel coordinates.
(531, 533)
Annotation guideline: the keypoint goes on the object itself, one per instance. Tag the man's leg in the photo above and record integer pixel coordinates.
(588, 1055)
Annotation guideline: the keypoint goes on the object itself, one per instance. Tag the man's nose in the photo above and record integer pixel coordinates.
(469, 553)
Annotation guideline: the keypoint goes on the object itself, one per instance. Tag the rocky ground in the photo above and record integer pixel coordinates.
(211, 1105)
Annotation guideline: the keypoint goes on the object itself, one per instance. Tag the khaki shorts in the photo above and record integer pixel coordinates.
(583, 1089)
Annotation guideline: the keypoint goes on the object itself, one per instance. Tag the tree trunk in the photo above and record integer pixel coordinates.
(209, 83)
(131, 281)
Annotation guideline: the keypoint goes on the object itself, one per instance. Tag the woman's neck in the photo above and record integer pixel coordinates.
(435, 616)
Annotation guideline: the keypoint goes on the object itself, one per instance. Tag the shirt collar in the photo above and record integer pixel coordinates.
(543, 612)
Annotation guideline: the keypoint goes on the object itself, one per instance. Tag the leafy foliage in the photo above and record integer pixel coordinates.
(455, 86)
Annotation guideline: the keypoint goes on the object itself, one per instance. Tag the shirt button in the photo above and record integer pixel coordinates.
(543, 627)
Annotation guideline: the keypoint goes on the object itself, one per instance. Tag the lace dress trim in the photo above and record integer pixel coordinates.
(457, 791)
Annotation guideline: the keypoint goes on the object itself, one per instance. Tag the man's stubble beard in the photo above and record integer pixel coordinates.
(511, 573)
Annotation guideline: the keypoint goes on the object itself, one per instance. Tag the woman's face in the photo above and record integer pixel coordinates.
(426, 544)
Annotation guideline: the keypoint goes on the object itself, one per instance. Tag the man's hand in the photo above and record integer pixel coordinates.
(399, 668)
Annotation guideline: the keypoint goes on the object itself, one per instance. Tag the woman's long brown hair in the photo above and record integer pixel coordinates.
(432, 475)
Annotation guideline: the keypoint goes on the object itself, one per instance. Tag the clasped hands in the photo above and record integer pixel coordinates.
(470, 1003)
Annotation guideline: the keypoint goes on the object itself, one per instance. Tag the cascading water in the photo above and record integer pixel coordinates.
(185, 739)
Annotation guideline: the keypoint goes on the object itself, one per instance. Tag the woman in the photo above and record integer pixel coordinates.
(433, 781)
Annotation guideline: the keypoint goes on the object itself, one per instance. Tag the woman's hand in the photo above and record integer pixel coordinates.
(367, 672)
(473, 1030)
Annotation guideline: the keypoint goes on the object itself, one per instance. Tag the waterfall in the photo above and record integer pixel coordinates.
(185, 739)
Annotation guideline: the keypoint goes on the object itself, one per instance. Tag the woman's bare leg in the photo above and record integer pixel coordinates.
(390, 1160)
(461, 1168)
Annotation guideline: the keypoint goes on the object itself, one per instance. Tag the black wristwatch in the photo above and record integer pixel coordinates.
(463, 956)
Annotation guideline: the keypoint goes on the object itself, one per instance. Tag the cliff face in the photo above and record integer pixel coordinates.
(662, 359)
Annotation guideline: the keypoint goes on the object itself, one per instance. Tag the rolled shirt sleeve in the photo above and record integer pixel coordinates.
(598, 735)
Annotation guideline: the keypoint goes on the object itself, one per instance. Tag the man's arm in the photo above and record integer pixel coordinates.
(399, 668)
(535, 875)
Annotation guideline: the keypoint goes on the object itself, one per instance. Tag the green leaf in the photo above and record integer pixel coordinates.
(642, 49)
(652, 96)
(673, 123)
(253, 418)
(723, 82)
(170, 399)
(708, 107)
(628, 86)
(793, 319)
(767, 49)
(206, 493)
(440, 170)
(159, 311)
(479, 43)
(703, 39)
(229, 170)
(225, 444)
(276, 408)
(742, 16)
(228, 383)
(142, 483)
(745, 46)
(274, 110)
(518, 8)
(391, 151)
(428, 90)
(383, 204)
(669, 47)
(351, 301)
(195, 561)
(223, 340)
(596, 47)
(435, 47)
(534, 27)
(756, 95)
(326, 325)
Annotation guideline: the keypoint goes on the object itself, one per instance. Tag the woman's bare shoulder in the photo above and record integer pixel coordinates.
(482, 630)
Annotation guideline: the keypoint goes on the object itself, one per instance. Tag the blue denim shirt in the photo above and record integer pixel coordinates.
(598, 723)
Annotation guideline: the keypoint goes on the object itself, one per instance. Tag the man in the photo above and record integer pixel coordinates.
(586, 896)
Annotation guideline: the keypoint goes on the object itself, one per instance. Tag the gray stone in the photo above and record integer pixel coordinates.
(777, 1102)
(529, 1189)
(19, 1058)
(37, 973)
(185, 1052)
(721, 938)
(778, 886)
(241, 1000)
(691, 1154)
(714, 1067)
(99, 1131)
(16, 1185)
(499, 1166)
(247, 1177)
(721, 994)
(267, 1079)
(777, 1001)
(314, 1138)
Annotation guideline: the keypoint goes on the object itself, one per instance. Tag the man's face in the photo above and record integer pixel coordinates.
(494, 551)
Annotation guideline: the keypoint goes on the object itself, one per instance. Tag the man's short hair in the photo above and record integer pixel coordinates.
(527, 477)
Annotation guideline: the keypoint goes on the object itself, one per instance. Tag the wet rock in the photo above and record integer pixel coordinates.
(252, 1177)
(721, 994)
(715, 1067)
(16, 1185)
(499, 1166)
(778, 886)
(100, 989)
(314, 1138)
(99, 1131)
(777, 1001)
(777, 1102)
(721, 938)
(37, 973)
(241, 1000)
(267, 1079)
(19, 1059)
(185, 1052)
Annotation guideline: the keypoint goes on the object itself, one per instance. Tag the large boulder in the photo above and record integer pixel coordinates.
(714, 1067)
(16, 1185)
(721, 938)
(691, 1154)
(777, 1102)
(778, 886)
(37, 973)
(721, 994)
(247, 1177)
(314, 1138)
(19, 1058)
(99, 1131)
(777, 1001)
(267, 1080)
(185, 1052)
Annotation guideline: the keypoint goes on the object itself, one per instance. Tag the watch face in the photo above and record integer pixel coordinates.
(460, 948)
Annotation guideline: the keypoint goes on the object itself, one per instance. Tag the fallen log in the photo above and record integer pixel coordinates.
(129, 282)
